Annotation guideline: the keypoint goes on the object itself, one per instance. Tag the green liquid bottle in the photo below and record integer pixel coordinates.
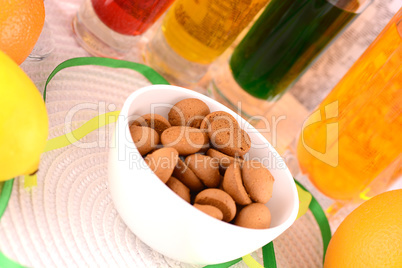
(285, 40)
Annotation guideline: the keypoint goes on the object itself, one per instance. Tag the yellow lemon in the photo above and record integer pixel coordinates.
(370, 236)
(23, 121)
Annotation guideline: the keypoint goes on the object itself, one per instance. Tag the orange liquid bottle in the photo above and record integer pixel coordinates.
(354, 135)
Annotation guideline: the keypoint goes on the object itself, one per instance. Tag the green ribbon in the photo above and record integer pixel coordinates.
(155, 78)
(224, 265)
(268, 255)
(322, 221)
(7, 263)
(5, 193)
(147, 72)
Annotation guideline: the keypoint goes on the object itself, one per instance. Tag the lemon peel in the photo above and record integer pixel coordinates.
(23, 121)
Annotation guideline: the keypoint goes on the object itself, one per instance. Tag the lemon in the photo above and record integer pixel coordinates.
(23, 121)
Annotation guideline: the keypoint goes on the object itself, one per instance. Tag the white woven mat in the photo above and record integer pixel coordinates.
(69, 220)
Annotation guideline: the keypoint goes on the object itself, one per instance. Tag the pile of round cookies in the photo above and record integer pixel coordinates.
(201, 157)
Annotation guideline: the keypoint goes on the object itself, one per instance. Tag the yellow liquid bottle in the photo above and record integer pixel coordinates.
(201, 30)
(196, 32)
(355, 134)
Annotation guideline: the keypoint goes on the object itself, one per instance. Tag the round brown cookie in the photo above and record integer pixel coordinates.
(229, 139)
(179, 188)
(210, 210)
(188, 112)
(255, 216)
(223, 116)
(205, 168)
(162, 162)
(224, 160)
(233, 185)
(153, 150)
(218, 199)
(154, 121)
(257, 180)
(145, 138)
(187, 176)
(186, 140)
(206, 144)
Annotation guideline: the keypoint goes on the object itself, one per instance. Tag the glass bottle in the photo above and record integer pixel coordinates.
(286, 39)
(113, 28)
(194, 33)
(350, 146)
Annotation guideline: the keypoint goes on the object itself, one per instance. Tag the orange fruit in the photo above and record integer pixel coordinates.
(21, 22)
(370, 236)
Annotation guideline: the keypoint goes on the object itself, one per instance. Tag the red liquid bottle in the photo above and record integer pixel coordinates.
(115, 28)
(130, 17)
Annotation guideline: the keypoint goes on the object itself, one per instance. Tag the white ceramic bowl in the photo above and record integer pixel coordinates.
(166, 222)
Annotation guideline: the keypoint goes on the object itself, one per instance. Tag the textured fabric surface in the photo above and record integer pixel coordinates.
(69, 220)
